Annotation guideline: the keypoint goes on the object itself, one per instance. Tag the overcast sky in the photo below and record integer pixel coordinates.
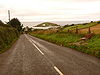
(50, 10)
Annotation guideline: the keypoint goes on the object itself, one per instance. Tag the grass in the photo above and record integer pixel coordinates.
(59, 38)
(94, 43)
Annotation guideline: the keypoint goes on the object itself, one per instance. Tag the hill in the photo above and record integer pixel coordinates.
(46, 24)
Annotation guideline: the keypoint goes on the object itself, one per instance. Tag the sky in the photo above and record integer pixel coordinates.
(50, 10)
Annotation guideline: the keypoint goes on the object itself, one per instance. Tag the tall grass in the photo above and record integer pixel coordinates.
(68, 39)
(60, 38)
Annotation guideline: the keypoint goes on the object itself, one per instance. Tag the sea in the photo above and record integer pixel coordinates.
(61, 23)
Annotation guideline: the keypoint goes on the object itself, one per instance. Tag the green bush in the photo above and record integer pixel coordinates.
(7, 36)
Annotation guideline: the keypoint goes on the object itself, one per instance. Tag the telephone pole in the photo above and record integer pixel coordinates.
(9, 15)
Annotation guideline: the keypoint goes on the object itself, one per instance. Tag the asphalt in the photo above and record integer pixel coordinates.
(33, 56)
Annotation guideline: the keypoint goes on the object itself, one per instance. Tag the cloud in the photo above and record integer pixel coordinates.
(49, 9)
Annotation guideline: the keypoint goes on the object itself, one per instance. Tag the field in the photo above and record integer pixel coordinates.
(80, 27)
(94, 29)
(72, 40)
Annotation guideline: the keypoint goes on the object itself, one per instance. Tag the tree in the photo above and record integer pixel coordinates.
(16, 24)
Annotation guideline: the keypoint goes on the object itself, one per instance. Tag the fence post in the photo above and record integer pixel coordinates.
(89, 30)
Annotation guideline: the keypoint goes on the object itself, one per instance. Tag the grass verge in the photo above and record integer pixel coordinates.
(71, 40)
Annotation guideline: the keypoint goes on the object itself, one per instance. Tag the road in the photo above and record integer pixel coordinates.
(33, 56)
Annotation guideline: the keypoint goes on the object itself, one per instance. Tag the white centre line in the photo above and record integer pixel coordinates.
(34, 45)
(60, 73)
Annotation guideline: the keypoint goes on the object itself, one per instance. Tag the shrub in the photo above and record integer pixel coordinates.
(7, 36)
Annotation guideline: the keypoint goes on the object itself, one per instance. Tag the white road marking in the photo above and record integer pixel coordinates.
(38, 48)
(60, 73)
(34, 45)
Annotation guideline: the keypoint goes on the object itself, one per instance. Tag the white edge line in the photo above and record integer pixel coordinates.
(60, 73)
(34, 45)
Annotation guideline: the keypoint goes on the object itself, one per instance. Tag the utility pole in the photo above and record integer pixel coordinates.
(9, 15)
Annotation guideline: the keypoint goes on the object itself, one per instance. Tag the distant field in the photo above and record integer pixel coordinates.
(94, 29)
(80, 26)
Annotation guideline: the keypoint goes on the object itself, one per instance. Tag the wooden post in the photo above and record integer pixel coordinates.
(89, 30)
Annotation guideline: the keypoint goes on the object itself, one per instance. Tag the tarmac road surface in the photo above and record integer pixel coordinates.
(33, 56)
